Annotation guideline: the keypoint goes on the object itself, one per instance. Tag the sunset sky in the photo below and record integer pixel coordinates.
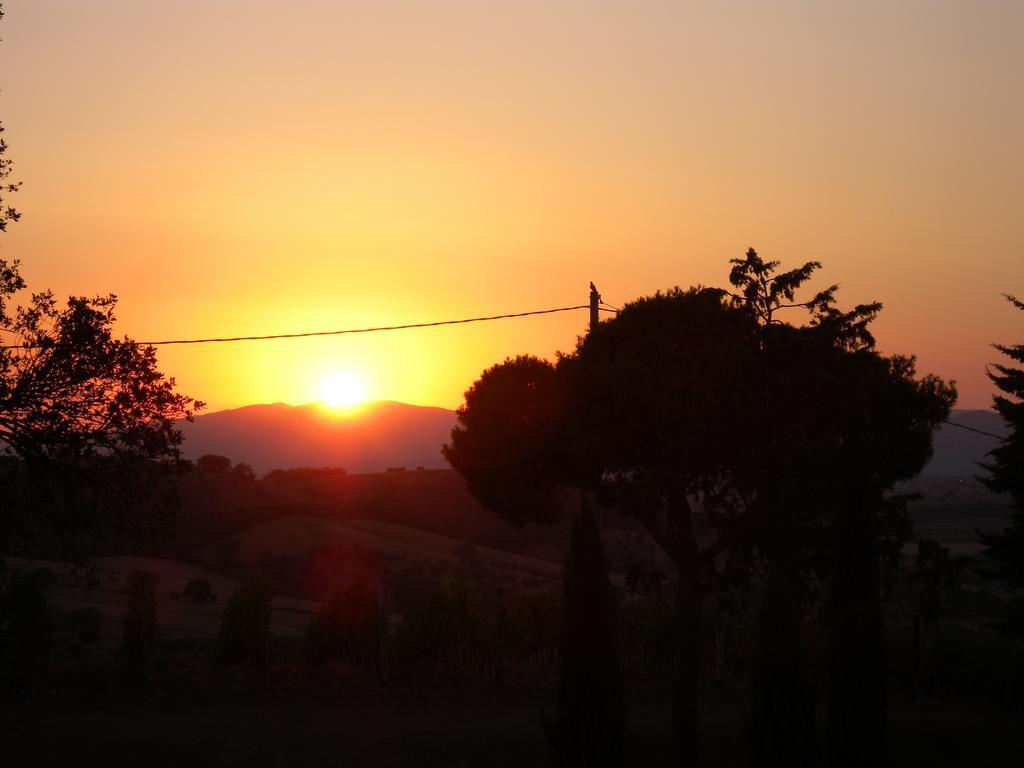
(232, 167)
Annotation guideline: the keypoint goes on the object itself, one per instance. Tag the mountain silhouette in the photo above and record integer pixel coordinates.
(387, 434)
(371, 438)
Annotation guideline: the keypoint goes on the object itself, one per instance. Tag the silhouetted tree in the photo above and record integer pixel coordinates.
(26, 628)
(199, 591)
(214, 463)
(589, 726)
(509, 443)
(837, 426)
(937, 576)
(662, 394)
(786, 438)
(244, 635)
(86, 624)
(243, 470)
(345, 629)
(645, 414)
(140, 627)
(1006, 467)
(447, 622)
(87, 422)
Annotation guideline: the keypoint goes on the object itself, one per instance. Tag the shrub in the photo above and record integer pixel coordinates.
(140, 627)
(26, 628)
(589, 725)
(345, 628)
(214, 464)
(244, 471)
(199, 591)
(447, 622)
(244, 636)
(86, 625)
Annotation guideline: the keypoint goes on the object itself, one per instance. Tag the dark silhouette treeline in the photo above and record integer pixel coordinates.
(757, 436)
(789, 437)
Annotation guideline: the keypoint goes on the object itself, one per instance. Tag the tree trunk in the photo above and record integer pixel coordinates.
(782, 711)
(686, 689)
(857, 669)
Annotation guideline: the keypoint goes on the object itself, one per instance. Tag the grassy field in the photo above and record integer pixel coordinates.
(299, 535)
(421, 723)
(103, 587)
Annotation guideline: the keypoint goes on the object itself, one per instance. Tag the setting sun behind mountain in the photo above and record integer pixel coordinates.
(342, 390)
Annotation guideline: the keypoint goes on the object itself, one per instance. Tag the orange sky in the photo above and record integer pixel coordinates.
(232, 167)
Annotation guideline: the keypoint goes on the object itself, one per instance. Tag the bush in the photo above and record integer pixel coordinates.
(532, 623)
(589, 725)
(26, 628)
(244, 636)
(86, 625)
(345, 628)
(447, 622)
(214, 464)
(304, 475)
(965, 663)
(244, 471)
(199, 591)
(140, 627)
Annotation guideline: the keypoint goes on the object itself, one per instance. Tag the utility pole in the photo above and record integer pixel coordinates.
(595, 304)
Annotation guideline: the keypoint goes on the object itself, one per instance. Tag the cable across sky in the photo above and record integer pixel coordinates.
(605, 307)
(307, 334)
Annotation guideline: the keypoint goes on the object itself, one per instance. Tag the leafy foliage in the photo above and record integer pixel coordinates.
(140, 627)
(1006, 466)
(87, 421)
(199, 591)
(26, 628)
(244, 636)
(345, 628)
(507, 443)
(86, 625)
(787, 437)
(589, 727)
(213, 463)
(445, 624)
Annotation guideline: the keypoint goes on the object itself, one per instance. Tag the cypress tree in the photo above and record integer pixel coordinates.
(140, 627)
(589, 727)
(1006, 468)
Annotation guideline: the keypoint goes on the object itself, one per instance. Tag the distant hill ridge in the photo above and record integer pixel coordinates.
(386, 434)
(369, 438)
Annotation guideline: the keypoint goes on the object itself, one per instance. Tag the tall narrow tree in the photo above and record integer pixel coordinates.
(589, 727)
(1006, 470)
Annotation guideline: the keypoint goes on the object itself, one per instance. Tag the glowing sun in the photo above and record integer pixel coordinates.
(342, 390)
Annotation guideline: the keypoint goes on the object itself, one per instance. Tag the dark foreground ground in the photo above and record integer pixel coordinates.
(413, 725)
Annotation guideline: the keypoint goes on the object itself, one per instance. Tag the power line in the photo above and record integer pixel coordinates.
(972, 429)
(308, 334)
(605, 307)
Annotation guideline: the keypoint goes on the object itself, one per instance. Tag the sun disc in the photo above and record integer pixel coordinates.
(341, 390)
